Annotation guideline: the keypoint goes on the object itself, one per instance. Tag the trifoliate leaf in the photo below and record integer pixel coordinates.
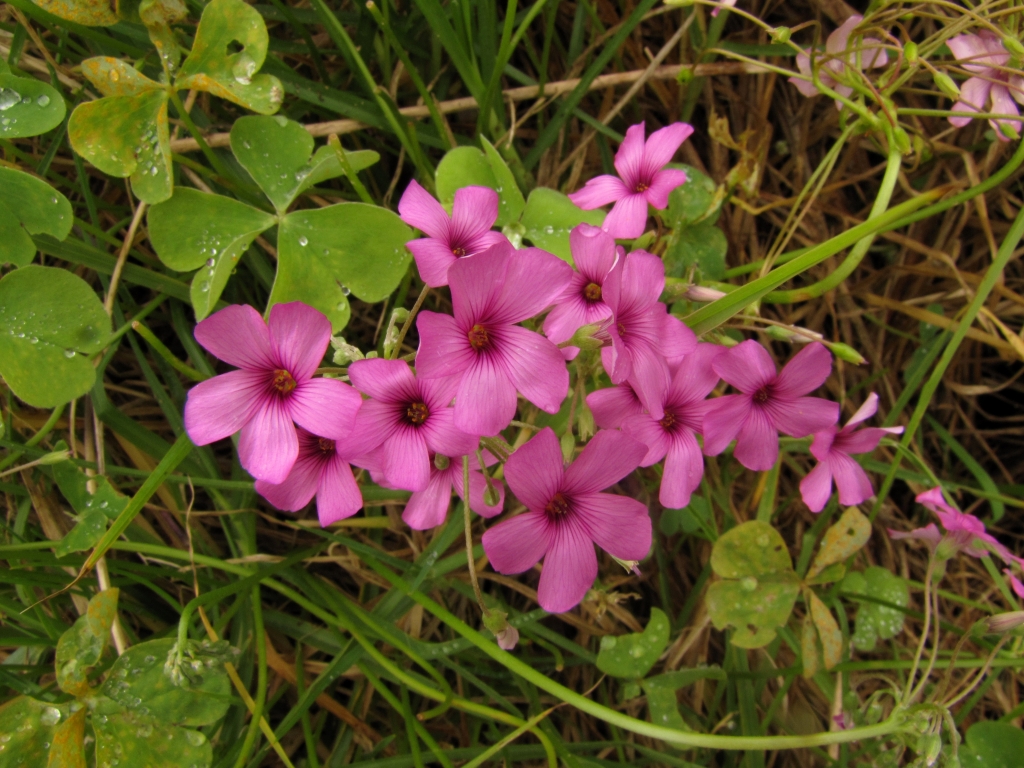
(634, 654)
(550, 216)
(29, 206)
(28, 106)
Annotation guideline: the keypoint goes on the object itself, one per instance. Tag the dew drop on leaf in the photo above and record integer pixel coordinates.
(43, 100)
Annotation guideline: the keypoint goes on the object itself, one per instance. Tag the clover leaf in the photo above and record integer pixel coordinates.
(133, 739)
(93, 510)
(634, 654)
(30, 726)
(81, 647)
(88, 13)
(468, 166)
(29, 206)
(28, 106)
(876, 622)
(550, 216)
(992, 745)
(759, 586)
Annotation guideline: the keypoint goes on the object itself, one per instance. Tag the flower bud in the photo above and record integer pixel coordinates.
(568, 445)
(586, 337)
(846, 352)
(56, 457)
(344, 353)
(910, 51)
(585, 426)
(780, 34)
(1013, 45)
(947, 85)
(631, 566)
(491, 496)
(441, 462)
(701, 293)
(506, 635)
(1004, 622)
(514, 232)
(507, 638)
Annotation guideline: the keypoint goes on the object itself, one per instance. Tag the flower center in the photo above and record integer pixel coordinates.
(622, 330)
(478, 338)
(558, 506)
(669, 420)
(762, 395)
(642, 186)
(459, 251)
(592, 292)
(417, 413)
(326, 445)
(283, 381)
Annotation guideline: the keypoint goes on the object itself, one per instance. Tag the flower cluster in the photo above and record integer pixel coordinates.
(520, 318)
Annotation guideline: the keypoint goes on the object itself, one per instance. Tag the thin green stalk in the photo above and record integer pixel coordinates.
(161, 349)
(44, 430)
(346, 166)
(992, 275)
(208, 153)
(260, 641)
(414, 726)
(857, 253)
(300, 690)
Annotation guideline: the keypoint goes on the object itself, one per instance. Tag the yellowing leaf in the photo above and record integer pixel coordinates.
(828, 630)
(845, 537)
(809, 648)
(67, 749)
(88, 13)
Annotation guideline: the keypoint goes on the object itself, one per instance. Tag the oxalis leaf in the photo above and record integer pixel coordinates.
(759, 586)
(468, 166)
(876, 622)
(29, 206)
(29, 726)
(28, 106)
(550, 216)
(88, 13)
(992, 745)
(634, 654)
(50, 320)
(81, 647)
(94, 510)
(143, 741)
(846, 536)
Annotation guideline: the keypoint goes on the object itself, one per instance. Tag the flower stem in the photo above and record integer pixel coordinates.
(470, 560)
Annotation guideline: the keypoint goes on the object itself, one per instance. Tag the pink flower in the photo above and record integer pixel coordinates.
(839, 55)
(408, 418)
(1015, 584)
(612, 405)
(770, 402)
(318, 471)
(723, 4)
(567, 515)
(964, 533)
(642, 179)
(466, 233)
(582, 302)
(673, 437)
(644, 336)
(274, 387)
(832, 447)
(490, 357)
(985, 56)
(507, 638)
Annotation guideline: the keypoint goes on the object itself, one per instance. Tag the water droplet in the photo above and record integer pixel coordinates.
(281, 120)
(303, 241)
(210, 262)
(43, 100)
(204, 287)
(54, 200)
(342, 306)
(8, 98)
(69, 353)
(154, 170)
(33, 340)
(276, 95)
(195, 738)
(50, 716)
(244, 68)
(345, 290)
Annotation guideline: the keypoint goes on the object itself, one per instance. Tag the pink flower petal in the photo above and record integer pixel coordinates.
(933, 500)
(1015, 584)
(593, 251)
(618, 524)
(535, 366)
(476, 283)
(816, 487)
(663, 183)
(695, 378)
(821, 445)
(863, 440)
(298, 488)
(629, 160)
(612, 405)
(419, 209)
(723, 420)
(649, 377)
(299, 335)
(268, 444)
(757, 445)
(238, 336)
(433, 259)
(517, 544)
(802, 416)
(444, 349)
(599, 191)
(534, 471)
(684, 468)
(805, 371)
(747, 366)
(627, 218)
(534, 279)
(482, 241)
(868, 409)
(442, 436)
(389, 380)
(1003, 104)
(973, 95)
(428, 508)
(326, 407)
(930, 533)
(677, 340)
(839, 40)
(851, 480)
(338, 496)
(638, 285)
(474, 210)
(477, 490)
(570, 567)
(647, 430)
(571, 314)
(406, 459)
(486, 399)
(662, 146)
(609, 456)
(219, 407)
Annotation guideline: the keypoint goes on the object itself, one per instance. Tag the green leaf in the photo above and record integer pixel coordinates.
(662, 703)
(510, 199)
(687, 520)
(846, 536)
(876, 622)
(196, 230)
(701, 244)
(50, 320)
(142, 741)
(158, 15)
(125, 134)
(828, 630)
(469, 167)
(138, 680)
(634, 654)
(550, 216)
(81, 647)
(88, 13)
(209, 67)
(28, 106)
(67, 750)
(29, 726)
(29, 206)
(759, 587)
(324, 254)
(277, 154)
(992, 745)
(93, 510)
(692, 201)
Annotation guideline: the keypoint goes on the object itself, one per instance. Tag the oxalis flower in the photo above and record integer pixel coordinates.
(832, 447)
(985, 55)
(273, 388)
(964, 533)
(568, 515)
(489, 356)
(465, 233)
(644, 337)
(321, 471)
(408, 418)
(673, 436)
(612, 405)
(770, 402)
(582, 303)
(867, 53)
(642, 179)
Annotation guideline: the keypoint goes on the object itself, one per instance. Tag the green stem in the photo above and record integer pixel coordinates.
(857, 253)
(161, 349)
(44, 430)
(346, 166)
(992, 275)
(260, 640)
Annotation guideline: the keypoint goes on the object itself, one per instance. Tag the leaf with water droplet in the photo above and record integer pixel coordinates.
(147, 742)
(93, 510)
(88, 13)
(846, 536)
(874, 621)
(754, 609)
(351, 246)
(26, 209)
(138, 679)
(158, 15)
(28, 106)
(81, 647)
(67, 750)
(27, 728)
(209, 67)
(634, 654)
(62, 312)
(194, 228)
(550, 216)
